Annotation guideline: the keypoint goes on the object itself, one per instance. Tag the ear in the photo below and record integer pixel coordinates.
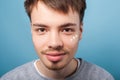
(81, 30)
(31, 27)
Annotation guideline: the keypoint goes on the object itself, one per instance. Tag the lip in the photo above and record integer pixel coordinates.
(54, 57)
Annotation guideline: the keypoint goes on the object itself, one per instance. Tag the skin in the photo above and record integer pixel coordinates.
(52, 32)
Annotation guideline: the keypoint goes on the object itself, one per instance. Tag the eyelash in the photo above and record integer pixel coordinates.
(41, 29)
(64, 30)
(68, 30)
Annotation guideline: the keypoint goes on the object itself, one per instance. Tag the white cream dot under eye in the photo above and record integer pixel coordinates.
(75, 37)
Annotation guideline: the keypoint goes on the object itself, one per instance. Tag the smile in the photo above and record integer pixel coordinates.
(55, 57)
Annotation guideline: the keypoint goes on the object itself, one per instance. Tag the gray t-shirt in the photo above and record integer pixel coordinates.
(86, 71)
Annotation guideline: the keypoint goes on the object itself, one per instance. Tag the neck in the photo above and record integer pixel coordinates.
(58, 74)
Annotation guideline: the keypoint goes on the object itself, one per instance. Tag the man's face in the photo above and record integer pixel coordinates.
(55, 36)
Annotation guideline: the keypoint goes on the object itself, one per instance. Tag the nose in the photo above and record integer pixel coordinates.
(55, 41)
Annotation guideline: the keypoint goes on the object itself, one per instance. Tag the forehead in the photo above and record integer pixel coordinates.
(43, 14)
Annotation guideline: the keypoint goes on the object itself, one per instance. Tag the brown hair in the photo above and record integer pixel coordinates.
(59, 5)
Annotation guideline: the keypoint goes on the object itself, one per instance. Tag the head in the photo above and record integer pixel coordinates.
(59, 5)
(56, 27)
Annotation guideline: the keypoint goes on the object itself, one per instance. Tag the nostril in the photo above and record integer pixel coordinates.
(57, 47)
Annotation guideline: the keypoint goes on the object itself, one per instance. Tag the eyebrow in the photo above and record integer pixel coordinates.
(63, 25)
(68, 25)
(39, 25)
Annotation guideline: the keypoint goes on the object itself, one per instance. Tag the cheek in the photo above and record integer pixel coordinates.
(39, 42)
(71, 42)
(74, 39)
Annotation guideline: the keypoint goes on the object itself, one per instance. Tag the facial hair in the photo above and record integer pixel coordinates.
(55, 66)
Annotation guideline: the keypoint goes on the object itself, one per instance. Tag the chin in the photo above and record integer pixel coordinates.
(56, 66)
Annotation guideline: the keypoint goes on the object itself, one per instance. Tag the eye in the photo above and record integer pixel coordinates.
(41, 30)
(68, 30)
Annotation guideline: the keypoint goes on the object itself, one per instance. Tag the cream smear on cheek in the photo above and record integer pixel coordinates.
(74, 38)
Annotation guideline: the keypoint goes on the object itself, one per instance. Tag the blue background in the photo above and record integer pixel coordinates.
(100, 43)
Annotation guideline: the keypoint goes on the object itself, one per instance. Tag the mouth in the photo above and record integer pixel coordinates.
(55, 57)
